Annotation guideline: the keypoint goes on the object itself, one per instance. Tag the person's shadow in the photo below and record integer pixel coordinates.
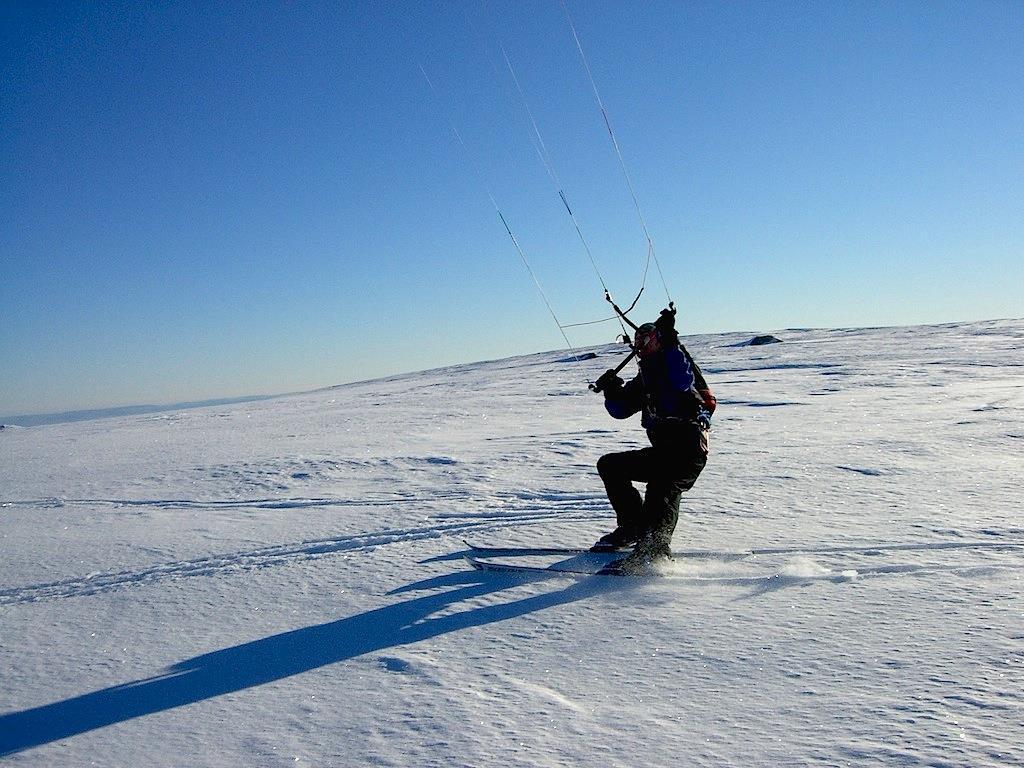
(286, 654)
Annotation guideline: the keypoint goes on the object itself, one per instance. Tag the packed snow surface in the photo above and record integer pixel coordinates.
(283, 583)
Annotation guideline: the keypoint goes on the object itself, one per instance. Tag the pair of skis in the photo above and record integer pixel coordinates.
(591, 563)
(583, 562)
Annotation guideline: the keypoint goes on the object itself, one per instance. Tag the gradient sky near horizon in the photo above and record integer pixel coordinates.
(215, 199)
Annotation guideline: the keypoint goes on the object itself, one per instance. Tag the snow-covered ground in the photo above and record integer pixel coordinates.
(281, 582)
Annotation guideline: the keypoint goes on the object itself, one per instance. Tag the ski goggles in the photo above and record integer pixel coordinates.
(646, 342)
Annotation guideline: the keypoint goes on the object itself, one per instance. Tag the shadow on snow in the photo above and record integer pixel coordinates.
(284, 655)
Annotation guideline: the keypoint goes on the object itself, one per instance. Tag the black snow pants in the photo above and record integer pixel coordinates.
(669, 467)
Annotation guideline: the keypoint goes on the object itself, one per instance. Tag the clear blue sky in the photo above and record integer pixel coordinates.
(214, 199)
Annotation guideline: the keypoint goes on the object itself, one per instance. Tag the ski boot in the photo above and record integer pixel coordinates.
(621, 537)
(650, 553)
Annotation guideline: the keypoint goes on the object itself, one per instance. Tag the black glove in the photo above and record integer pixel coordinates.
(609, 382)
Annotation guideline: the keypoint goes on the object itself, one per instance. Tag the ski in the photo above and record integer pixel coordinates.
(575, 572)
(528, 551)
(707, 554)
(735, 554)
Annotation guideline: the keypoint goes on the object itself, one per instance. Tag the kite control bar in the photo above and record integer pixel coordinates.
(595, 388)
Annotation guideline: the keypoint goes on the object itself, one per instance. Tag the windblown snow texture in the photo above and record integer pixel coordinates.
(283, 582)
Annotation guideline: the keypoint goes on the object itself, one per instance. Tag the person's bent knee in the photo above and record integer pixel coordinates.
(612, 464)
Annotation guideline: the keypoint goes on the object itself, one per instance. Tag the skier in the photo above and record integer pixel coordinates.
(677, 405)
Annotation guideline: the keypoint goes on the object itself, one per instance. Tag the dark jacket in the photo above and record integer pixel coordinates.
(671, 392)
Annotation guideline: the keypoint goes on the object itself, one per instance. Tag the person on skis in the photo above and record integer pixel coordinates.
(676, 405)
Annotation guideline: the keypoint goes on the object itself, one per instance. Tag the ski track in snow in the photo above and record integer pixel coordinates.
(266, 557)
(552, 508)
